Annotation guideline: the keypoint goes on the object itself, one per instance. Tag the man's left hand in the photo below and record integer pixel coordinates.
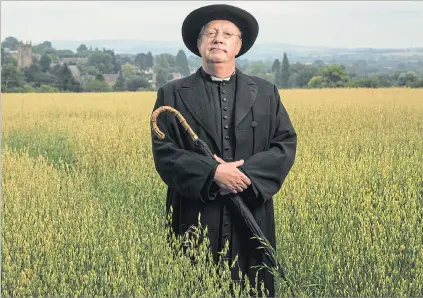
(221, 161)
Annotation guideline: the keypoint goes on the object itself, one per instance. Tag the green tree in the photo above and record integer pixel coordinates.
(82, 50)
(120, 84)
(116, 65)
(10, 42)
(122, 59)
(407, 79)
(383, 80)
(331, 76)
(128, 70)
(45, 62)
(96, 86)
(365, 82)
(144, 61)
(47, 89)
(164, 61)
(276, 65)
(11, 77)
(259, 69)
(301, 74)
(102, 61)
(317, 82)
(99, 77)
(278, 77)
(135, 83)
(44, 48)
(256, 68)
(181, 62)
(32, 72)
(149, 60)
(89, 69)
(67, 81)
(64, 53)
(161, 78)
(45, 78)
(285, 72)
(418, 83)
(6, 58)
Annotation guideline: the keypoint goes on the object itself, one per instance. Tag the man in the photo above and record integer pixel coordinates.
(244, 123)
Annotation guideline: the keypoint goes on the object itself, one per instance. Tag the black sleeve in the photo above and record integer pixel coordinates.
(187, 172)
(268, 169)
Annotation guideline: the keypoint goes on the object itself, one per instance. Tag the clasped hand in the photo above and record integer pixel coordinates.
(229, 178)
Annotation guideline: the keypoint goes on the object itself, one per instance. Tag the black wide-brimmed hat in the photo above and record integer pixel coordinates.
(193, 23)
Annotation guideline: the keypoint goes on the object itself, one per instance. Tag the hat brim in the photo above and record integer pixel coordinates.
(193, 23)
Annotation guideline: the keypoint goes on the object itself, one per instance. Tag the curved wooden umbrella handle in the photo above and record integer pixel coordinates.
(155, 128)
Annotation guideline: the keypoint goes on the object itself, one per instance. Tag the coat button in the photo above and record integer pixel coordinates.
(226, 127)
(223, 91)
(254, 124)
(225, 108)
(226, 137)
(225, 117)
(224, 99)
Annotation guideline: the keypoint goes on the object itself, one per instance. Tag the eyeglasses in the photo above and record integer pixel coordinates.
(226, 35)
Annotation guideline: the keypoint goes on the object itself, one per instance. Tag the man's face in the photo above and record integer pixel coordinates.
(212, 44)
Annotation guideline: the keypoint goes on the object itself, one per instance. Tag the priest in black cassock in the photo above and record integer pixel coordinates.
(244, 123)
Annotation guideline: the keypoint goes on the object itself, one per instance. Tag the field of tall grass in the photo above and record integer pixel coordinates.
(83, 209)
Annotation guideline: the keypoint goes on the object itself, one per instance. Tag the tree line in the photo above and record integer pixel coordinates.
(144, 71)
(320, 75)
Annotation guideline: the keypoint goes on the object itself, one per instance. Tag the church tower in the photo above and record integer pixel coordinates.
(24, 56)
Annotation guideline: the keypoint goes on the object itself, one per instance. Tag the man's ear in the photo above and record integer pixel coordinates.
(198, 44)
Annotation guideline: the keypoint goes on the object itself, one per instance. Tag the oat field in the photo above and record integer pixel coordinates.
(83, 209)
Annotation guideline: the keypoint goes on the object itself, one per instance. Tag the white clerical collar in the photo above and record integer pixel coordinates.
(220, 80)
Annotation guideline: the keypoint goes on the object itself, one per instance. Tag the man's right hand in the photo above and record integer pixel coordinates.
(229, 178)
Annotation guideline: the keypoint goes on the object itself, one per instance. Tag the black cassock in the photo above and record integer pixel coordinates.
(242, 118)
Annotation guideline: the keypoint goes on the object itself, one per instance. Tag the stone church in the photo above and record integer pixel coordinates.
(23, 54)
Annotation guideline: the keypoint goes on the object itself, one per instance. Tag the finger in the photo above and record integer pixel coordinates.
(244, 186)
(219, 159)
(245, 179)
(231, 188)
(238, 188)
(239, 163)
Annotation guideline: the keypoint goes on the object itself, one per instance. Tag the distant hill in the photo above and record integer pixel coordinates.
(264, 51)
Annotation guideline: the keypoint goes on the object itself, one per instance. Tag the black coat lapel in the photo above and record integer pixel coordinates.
(194, 96)
(246, 93)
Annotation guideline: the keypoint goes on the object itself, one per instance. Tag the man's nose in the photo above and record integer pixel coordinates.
(219, 37)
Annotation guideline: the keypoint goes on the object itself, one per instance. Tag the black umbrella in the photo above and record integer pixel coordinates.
(241, 208)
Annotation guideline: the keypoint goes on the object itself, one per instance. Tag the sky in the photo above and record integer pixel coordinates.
(377, 24)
